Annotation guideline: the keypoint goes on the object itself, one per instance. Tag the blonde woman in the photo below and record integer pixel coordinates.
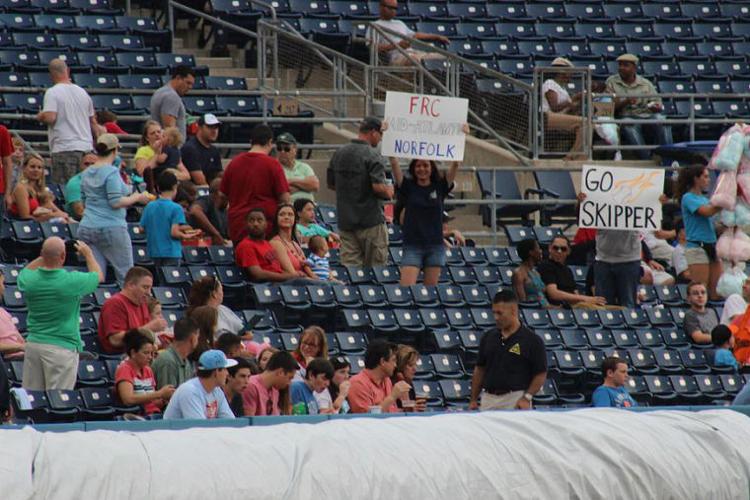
(31, 200)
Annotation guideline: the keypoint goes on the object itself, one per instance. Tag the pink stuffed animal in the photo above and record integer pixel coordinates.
(740, 251)
(724, 244)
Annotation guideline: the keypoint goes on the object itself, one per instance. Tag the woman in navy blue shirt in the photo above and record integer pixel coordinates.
(423, 194)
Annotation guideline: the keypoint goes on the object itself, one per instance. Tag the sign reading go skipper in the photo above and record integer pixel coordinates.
(621, 198)
(428, 127)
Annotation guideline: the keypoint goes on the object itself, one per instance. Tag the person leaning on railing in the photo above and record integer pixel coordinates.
(627, 84)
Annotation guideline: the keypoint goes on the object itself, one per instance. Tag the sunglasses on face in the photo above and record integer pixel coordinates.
(284, 149)
(559, 249)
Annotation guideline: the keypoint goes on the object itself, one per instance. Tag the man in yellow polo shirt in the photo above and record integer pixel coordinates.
(626, 84)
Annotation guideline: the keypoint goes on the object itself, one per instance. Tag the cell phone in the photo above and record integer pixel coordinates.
(70, 247)
(250, 324)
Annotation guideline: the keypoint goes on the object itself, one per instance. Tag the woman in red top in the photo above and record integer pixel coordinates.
(285, 245)
(134, 380)
(312, 344)
(31, 200)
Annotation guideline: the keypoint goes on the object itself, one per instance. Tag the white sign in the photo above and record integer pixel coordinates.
(424, 126)
(621, 198)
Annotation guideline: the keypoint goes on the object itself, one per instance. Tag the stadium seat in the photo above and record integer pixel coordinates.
(668, 361)
(92, 373)
(599, 338)
(625, 338)
(373, 295)
(574, 339)
(347, 296)
(694, 361)
(352, 342)
(711, 387)
(408, 321)
(434, 319)
(383, 321)
(455, 391)
(687, 389)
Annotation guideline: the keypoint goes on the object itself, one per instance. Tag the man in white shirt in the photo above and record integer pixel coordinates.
(395, 57)
(68, 113)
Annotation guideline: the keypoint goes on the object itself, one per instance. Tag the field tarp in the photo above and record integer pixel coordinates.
(591, 453)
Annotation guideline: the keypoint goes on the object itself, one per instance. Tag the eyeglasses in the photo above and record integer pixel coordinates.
(285, 149)
(559, 249)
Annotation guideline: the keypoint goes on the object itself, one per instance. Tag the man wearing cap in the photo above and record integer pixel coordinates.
(562, 112)
(387, 20)
(359, 180)
(203, 397)
(625, 84)
(68, 112)
(301, 178)
(166, 103)
(199, 155)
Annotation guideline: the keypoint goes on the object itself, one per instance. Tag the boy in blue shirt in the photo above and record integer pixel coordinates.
(721, 337)
(612, 393)
(164, 223)
(317, 378)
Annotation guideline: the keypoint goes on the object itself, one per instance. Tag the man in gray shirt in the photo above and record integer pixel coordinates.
(167, 107)
(359, 181)
(617, 269)
(699, 320)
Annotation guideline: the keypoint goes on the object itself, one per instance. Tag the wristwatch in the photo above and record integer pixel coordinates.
(527, 396)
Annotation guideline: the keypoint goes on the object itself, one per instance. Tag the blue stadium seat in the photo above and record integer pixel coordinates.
(98, 404)
(732, 109)
(383, 321)
(508, 11)
(429, 10)
(737, 10)
(586, 10)
(611, 319)
(141, 81)
(140, 62)
(467, 11)
(435, 319)
(680, 49)
(669, 361)
(635, 29)
(623, 10)
(610, 50)
(373, 295)
(100, 61)
(475, 296)
(438, 28)
(14, 79)
(550, 10)
(648, 50)
(714, 30)
(710, 386)
(574, 339)
(295, 298)
(536, 318)
(63, 405)
(595, 29)
(97, 81)
(716, 48)
(347, 296)
(127, 43)
(408, 321)
(116, 103)
(199, 105)
(477, 29)
(16, 22)
(516, 29)
(170, 297)
(350, 9)
(57, 23)
(662, 10)
(92, 373)
(694, 361)
(599, 338)
(701, 10)
(455, 391)
(562, 318)
(686, 387)
(731, 384)
(398, 296)
(98, 24)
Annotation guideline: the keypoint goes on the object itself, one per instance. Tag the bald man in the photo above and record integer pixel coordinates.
(68, 113)
(53, 298)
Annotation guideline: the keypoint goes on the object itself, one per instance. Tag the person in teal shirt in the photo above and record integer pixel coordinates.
(53, 298)
(318, 377)
(73, 198)
(306, 226)
(697, 215)
(722, 339)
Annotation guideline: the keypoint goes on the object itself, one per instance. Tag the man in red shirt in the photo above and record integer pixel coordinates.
(255, 254)
(372, 386)
(261, 396)
(254, 179)
(128, 310)
(6, 157)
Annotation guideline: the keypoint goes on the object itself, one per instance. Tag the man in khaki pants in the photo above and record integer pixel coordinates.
(359, 180)
(511, 365)
(53, 297)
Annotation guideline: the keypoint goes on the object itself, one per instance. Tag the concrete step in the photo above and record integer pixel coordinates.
(177, 43)
(215, 62)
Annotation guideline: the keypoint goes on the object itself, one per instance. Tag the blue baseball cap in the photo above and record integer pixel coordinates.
(214, 359)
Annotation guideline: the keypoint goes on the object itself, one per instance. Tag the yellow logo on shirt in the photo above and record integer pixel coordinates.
(516, 349)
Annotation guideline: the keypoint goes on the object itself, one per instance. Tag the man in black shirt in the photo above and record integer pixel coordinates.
(209, 213)
(199, 155)
(512, 365)
(559, 283)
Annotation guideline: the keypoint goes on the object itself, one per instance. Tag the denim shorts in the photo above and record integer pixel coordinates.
(422, 256)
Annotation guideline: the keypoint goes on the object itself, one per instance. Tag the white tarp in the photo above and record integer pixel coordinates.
(593, 453)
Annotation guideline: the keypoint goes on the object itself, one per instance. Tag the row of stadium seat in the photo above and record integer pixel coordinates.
(104, 61)
(122, 81)
(19, 23)
(72, 7)
(508, 10)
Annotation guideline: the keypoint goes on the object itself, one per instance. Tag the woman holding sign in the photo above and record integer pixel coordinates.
(423, 194)
(697, 215)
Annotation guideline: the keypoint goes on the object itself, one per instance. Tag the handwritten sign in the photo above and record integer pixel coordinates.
(621, 198)
(424, 126)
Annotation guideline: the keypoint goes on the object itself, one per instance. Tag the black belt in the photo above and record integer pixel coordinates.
(498, 392)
